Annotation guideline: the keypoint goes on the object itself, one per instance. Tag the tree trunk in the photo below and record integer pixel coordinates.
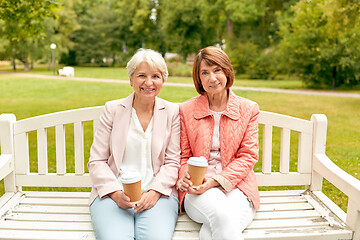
(26, 64)
(13, 59)
(13, 63)
(334, 78)
(229, 27)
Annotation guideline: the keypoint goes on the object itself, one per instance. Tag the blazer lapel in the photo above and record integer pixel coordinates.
(158, 133)
(120, 129)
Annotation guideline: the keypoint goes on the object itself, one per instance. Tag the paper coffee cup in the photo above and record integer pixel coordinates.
(131, 181)
(196, 169)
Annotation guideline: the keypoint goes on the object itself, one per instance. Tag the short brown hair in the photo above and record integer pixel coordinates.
(212, 56)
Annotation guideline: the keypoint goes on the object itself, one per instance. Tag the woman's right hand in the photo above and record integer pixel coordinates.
(121, 199)
(184, 183)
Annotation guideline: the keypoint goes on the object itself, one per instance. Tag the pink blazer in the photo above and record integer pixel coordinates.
(109, 143)
(238, 140)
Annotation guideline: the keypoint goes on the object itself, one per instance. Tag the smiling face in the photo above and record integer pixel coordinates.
(146, 82)
(213, 78)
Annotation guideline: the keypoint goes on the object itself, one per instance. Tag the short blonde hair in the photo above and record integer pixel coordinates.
(151, 57)
(212, 56)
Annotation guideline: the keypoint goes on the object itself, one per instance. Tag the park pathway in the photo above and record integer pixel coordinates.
(259, 89)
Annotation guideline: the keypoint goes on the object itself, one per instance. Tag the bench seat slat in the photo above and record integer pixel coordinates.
(55, 202)
(52, 226)
(285, 207)
(46, 235)
(37, 194)
(287, 214)
(51, 209)
(39, 217)
(284, 223)
(313, 233)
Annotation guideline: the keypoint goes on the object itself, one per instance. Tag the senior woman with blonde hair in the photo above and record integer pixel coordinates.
(223, 128)
(140, 132)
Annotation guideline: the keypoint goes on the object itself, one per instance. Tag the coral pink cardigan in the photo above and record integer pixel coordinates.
(238, 140)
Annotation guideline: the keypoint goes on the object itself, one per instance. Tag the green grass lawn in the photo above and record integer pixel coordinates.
(27, 97)
(121, 73)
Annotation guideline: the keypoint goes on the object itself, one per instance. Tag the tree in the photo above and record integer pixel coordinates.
(24, 23)
(321, 42)
(96, 39)
(184, 31)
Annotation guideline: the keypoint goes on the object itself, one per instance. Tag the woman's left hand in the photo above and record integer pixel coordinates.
(208, 183)
(147, 201)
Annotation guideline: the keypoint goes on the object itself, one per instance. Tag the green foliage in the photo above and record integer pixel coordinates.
(184, 31)
(24, 19)
(177, 68)
(242, 55)
(265, 66)
(321, 42)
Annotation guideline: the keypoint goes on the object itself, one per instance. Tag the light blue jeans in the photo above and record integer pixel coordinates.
(111, 222)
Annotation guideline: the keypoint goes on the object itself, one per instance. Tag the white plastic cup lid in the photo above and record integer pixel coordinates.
(198, 161)
(130, 177)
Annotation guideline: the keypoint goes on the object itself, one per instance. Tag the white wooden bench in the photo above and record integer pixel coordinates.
(67, 72)
(283, 214)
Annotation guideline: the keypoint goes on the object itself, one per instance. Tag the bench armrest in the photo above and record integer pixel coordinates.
(6, 166)
(346, 183)
(338, 177)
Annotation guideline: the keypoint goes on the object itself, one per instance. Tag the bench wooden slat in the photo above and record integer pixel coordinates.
(37, 194)
(58, 118)
(276, 193)
(284, 223)
(267, 149)
(60, 149)
(304, 153)
(53, 226)
(280, 179)
(21, 148)
(45, 217)
(284, 150)
(42, 151)
(51, 209)
(79, 147)
(313, 233)
(286, 199)
(55, 201)
(284, 121)
(54, 180)
(287, 214)
(285, 207)
(46, 235)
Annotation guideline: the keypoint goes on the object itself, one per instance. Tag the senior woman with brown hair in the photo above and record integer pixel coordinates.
(223, 128)
(140, 132)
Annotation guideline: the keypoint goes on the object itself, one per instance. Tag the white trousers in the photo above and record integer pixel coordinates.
(223, 215)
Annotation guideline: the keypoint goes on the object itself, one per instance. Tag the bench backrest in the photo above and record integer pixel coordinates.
(50, 150)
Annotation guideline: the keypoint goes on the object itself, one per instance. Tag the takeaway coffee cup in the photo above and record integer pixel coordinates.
(197, 168)
(131, 181)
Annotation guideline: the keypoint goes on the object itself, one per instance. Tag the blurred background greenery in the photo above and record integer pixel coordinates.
(316, 41)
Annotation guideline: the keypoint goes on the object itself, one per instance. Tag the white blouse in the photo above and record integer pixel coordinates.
(214, 161)
(137, 155)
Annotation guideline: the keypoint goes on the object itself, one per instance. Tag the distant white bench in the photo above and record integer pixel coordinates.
(286, 214)
(67, 72)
